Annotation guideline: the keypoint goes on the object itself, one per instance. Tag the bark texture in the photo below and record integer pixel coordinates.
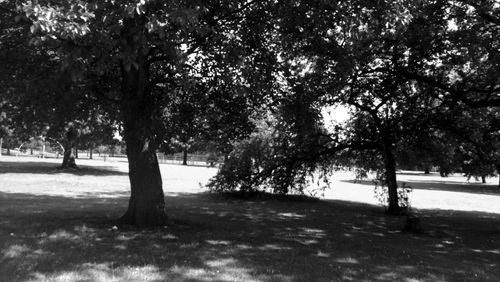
(146, 204)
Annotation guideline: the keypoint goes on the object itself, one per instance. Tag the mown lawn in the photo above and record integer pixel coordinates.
(59, 226)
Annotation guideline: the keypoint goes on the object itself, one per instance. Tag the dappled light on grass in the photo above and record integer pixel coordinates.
(347, 260)
(211, 239)
(15, 251)
(291, 215)
(103, 272)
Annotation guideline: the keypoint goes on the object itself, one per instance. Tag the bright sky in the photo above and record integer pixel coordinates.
(335, 114)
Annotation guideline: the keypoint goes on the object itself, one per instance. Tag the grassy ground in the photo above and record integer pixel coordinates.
(58, 226)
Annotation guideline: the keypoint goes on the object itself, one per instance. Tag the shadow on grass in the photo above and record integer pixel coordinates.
(450, 186)
(40, 167)
(218, 238)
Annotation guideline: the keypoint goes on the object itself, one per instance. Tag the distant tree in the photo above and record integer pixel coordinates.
(40, 99)
(97, 130)
(477, 139)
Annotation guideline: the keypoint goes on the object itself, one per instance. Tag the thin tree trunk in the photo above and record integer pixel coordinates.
(1, 144)
(498, 173)
(76, 152)
(390, 178)
(147, 202)
(90, 152)
(483, 179)
(185, 156)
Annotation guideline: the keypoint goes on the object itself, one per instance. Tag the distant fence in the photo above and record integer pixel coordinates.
(192, 159)
(196, 159)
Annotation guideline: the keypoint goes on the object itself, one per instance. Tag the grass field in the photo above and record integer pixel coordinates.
(59, 226)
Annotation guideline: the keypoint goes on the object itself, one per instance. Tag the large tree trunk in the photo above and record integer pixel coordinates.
(69, 149)
(147, 203)
(483, 179)
(390, 178)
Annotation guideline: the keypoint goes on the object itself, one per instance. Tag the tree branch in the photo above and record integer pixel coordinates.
(457, 95)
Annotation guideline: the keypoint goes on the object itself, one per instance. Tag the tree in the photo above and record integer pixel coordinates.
(476, 140)
(153, 48)
(282, 153)
(356, 52)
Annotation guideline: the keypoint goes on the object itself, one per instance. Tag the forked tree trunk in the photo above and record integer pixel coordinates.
(69, 157)
(69, 150)
(390, 178)
(147, 203)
